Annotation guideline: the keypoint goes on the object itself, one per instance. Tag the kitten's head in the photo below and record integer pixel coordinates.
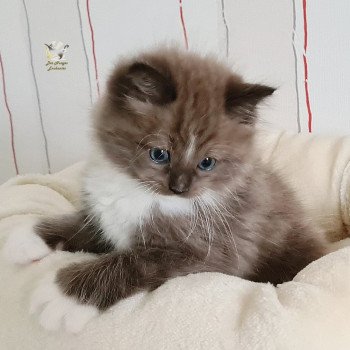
(180, 123)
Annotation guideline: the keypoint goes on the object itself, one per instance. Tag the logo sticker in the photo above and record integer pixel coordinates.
(56, 55)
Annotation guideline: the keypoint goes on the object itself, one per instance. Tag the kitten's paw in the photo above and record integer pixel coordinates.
(55, 308)
(24, 246)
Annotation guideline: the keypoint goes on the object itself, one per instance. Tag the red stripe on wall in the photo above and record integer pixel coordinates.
(10, 116)
(308, 106)
(306, 74)
(183, 25)
(93, 45)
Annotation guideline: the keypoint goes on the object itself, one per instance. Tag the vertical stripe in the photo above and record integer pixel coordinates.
(227, 34)
(183, 24)
(296, 69)
(93, 45)
(306, 83)
(85, 51)
(37, 89)
(10, 116)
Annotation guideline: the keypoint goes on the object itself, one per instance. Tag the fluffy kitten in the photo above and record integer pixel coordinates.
(175, 187)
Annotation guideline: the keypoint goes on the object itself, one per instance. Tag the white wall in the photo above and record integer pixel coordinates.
(50, 108)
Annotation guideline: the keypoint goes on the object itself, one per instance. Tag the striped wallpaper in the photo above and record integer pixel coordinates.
(300, 46)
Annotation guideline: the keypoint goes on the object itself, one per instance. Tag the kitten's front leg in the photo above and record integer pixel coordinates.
(35, 238)
(73, 232)
(89, 287)
(23, 245)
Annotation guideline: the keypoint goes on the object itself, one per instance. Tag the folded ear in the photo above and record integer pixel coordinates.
(142, 82)
(241, 100)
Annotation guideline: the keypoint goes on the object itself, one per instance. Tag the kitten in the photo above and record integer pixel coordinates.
(175, 186)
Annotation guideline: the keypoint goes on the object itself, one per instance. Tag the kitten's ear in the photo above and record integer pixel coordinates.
(142, 82)
(241, 100)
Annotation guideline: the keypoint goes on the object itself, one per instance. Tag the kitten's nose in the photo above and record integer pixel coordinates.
(181, 188)
(180, 184)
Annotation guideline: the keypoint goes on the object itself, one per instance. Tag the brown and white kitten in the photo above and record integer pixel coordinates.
(174, 187)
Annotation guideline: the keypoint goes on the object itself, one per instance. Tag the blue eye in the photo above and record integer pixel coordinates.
(207, 164)
(159, 156)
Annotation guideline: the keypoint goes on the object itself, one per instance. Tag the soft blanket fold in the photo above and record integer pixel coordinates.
(203, 311)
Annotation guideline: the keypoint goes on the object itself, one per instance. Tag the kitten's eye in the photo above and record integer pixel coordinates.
(159, 156)
(207, 164)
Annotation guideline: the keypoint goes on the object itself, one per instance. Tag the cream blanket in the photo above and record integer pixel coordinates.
(202, 311)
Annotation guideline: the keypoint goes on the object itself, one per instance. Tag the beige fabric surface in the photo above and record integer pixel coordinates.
(203, 311)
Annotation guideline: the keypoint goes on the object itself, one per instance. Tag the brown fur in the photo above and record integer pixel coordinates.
(254, 228)
(73, 233)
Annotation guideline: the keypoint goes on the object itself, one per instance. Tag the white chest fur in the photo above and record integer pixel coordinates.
(122, 204)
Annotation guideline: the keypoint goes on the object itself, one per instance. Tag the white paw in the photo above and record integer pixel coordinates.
(55, 308)
(24, 246)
